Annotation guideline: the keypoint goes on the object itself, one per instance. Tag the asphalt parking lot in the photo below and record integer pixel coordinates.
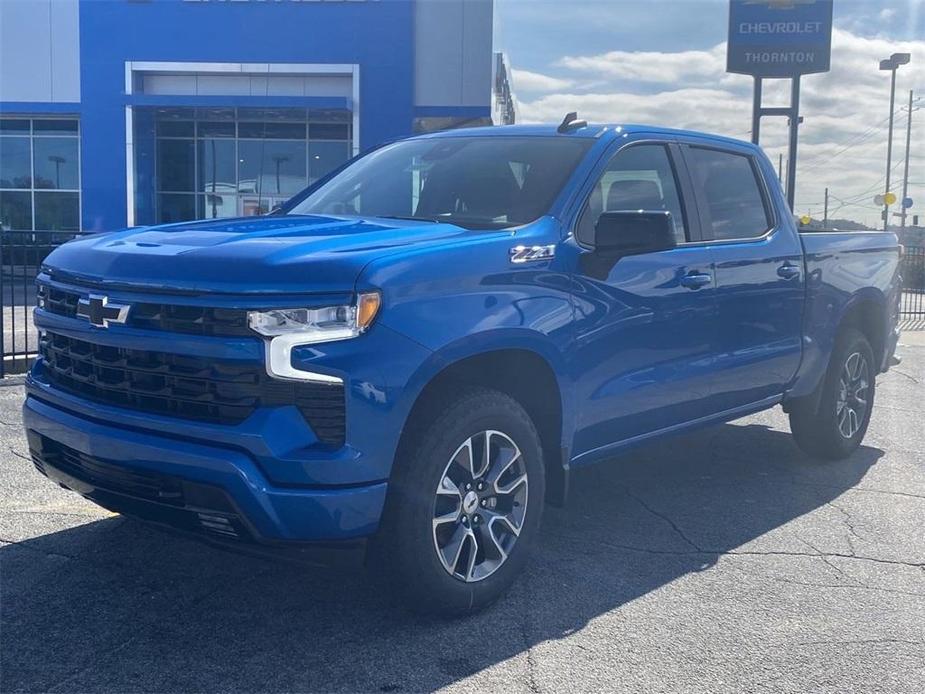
(722, 561)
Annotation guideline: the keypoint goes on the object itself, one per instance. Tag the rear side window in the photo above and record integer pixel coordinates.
(732, 191)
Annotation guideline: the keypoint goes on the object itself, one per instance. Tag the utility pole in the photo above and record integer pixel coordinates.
(902, 205)
(892, 64)
(825, 214)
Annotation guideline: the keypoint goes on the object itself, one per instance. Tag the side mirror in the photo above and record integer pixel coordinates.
(632, 232)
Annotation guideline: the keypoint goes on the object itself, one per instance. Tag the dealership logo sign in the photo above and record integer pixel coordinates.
(772, 38)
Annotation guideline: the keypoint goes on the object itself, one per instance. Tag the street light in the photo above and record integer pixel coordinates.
(892, 64)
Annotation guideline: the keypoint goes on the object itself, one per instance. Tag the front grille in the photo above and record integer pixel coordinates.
(186, 387)
(150, 495)
(192, 320)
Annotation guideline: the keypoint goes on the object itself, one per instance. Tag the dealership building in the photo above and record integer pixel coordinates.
(126, 112)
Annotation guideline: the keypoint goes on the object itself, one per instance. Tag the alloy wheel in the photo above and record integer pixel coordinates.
(480, 506)
(853, 395)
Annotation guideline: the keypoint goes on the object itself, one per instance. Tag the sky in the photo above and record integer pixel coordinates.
(663, 62)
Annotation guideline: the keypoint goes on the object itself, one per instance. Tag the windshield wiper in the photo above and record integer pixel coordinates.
(408, 217)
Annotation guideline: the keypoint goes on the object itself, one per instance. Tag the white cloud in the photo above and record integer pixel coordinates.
(842, 140)
(653, 67)
(526, 81)
(887, 14)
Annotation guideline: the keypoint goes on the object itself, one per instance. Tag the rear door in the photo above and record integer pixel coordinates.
(758, 271)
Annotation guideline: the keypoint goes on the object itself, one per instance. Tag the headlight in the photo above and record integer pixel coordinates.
(292, 327)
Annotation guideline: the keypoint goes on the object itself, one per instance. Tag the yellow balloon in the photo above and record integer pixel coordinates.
(889, 198)
(805, 219)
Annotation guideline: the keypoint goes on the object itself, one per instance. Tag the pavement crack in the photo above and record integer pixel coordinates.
(532, 682)
(658, 514)
(864, 642)
(824, 558)
(740, 553)
(903, 373)
(20, 455)
(847, 586)
(849, 523)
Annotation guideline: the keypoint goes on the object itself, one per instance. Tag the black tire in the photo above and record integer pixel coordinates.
(822, 432)
(405, 550)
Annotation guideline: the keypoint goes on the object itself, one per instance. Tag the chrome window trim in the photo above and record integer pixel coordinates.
(770, 209)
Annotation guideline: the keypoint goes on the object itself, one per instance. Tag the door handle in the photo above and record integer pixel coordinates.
(696, 280)
(788, 271)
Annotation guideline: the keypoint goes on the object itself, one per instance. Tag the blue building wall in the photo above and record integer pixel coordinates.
(168, 30)
(377, 35)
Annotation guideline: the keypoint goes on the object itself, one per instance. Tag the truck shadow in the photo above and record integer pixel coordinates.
(116, 606)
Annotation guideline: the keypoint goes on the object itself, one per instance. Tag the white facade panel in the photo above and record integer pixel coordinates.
(217, 84)
(39, 51)
(453, 52)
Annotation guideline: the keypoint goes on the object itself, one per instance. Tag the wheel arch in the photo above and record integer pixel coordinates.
(525, 369)
(867, 312)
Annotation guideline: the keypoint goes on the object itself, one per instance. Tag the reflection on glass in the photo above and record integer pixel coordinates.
(216, 166)
(57, 211)
(55, 126)
(15, 211)
(175, 165)
(269, 167)
(15, 164)
(14, 126)
(216, 205)
(324, 157)
(233, 161)
(56, 163)
(174, 207)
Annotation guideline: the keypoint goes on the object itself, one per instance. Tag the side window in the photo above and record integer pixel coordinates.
(732, 192)
(639, 177)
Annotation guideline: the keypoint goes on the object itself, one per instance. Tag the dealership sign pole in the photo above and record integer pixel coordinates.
(779, 39)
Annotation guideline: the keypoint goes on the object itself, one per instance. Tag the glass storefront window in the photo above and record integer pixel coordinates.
(15, 211)
(271, 167)
(57, 211)
(56, 163)
(39, 174)
(225, 162)
(324, 157)
(16, 162)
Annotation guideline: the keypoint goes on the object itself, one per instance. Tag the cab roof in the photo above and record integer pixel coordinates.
(590, 131)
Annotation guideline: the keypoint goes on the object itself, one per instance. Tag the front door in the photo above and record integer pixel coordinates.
(643, 357)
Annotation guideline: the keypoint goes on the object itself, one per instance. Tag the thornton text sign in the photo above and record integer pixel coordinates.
(779, 38)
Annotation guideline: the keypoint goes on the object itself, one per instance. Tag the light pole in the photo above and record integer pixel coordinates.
(892, 64)
(902, 203)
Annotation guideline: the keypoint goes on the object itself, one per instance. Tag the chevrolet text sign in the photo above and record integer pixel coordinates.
(779, 38)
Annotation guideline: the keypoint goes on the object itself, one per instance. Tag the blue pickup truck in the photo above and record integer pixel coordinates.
(413, 353)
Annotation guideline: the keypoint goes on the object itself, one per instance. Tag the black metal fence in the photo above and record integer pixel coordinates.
(912, 307)
(22, 253)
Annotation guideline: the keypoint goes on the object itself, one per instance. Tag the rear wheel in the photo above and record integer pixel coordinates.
(837, 427)
(464, 504)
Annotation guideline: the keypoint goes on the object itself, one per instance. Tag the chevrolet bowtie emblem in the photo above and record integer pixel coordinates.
(97, 309)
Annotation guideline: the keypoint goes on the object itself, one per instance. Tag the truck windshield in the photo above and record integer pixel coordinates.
(474, 182)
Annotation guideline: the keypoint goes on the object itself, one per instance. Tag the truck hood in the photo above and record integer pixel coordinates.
(251, 255)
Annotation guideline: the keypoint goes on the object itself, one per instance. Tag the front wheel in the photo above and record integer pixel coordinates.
(464, 504)
(837, 427)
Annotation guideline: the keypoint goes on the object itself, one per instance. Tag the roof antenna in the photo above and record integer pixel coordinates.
(571, 122)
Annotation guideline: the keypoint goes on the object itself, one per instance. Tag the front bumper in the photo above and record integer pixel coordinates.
(214, 490)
